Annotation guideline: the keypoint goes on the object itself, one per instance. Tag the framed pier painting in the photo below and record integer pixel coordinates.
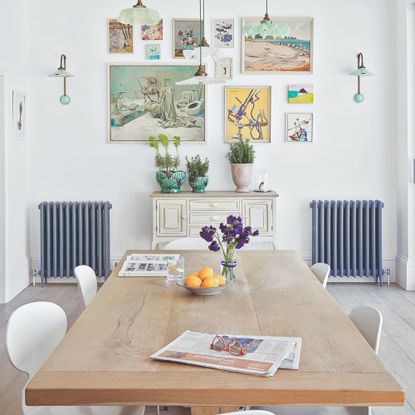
(144, 101)
(284, 47)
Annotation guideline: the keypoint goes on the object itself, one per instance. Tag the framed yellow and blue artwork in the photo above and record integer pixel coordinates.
(300, 94)
(248, 113)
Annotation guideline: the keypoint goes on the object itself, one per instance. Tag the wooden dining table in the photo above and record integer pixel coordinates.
(104, 359)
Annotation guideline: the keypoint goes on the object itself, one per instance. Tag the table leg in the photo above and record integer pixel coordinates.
(213, 410)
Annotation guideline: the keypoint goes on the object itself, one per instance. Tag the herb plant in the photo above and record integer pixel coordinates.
(241, 152)
(196, 167)
(168, 163)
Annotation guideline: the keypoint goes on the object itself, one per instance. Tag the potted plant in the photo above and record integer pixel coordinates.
(241, 156)
(168, 176)
(197, 173)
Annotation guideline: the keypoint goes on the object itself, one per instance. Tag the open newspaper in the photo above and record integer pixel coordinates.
(142, 265)
(264, 354)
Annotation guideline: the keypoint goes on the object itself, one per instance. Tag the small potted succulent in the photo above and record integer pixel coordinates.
(197, 172)
(241, 156)
(168, 176)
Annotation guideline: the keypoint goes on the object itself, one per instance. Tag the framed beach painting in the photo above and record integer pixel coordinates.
(287, 48)
(120, 37)
(152, 32)
(223, 33)
(248, 113)
(152, 51)
(300, 127)
(300, 94)
(186, 36)
(19, 114)
(224, 68)
(144, 101)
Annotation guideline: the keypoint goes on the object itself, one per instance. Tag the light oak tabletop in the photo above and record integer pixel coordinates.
(104, 358)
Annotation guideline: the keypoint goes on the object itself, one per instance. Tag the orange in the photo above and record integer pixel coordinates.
(206, 272)
(222, 280)
(210, 282)
(193, 281)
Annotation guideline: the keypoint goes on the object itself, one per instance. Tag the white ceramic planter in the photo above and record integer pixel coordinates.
(242, 176)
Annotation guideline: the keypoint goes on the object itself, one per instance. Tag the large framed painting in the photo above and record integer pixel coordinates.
(186, 36)
(144, 101)
(248, 113)
(287, 47)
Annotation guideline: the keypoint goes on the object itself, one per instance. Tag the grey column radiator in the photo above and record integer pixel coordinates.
(72, 234)
(347, 235)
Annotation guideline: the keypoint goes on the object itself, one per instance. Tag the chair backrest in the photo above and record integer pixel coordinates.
(186, 244)
(368, 321)
(87, 282)
(33, 332)
(322, 272)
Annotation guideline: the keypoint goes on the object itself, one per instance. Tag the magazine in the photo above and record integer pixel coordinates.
(264, 354)
(144, 265)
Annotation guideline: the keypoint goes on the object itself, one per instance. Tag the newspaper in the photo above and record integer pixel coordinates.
(264, 354)
(140, 265)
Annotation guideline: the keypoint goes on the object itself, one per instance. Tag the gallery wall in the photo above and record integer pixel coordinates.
(353, 155)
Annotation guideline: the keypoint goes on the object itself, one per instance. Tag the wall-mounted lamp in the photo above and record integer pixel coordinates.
(61, 72)
(360, 71)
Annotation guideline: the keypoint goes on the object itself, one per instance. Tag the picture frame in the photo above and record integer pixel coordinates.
(301, 94)
(224, 68)
(120, 37)
(19, 114)
(248, 113)
(152, 32)
(144, 101)
(186, 36)
(299, 127)
(152, 51)
(223, 33)
(269, 55)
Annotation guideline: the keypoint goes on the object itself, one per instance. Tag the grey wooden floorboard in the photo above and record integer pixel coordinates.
(397, 349)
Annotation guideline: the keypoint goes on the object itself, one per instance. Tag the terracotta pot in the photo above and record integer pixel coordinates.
(242, 176)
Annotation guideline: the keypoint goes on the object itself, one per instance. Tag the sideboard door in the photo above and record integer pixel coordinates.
(171, 218)
(258, 215)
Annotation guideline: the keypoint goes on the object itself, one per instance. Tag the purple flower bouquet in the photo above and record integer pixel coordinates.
(231, 236)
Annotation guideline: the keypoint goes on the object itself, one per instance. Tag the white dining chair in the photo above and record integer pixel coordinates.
(249, 412)
(33, 332)
(186, 244)
(322, 272)
(87, 282)
(369, 322)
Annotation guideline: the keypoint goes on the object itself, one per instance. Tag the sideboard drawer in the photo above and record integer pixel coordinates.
(225, 205)
(206, 218)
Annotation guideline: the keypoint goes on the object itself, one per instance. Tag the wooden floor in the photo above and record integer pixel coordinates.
(397, 349)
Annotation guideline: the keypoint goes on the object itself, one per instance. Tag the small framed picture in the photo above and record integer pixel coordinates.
(224, 68)
(120, 37)
(19, 114)
(152, 32)
(300, 127)
(153, 52)
(300, 94)
(186, 36)
(223, 33)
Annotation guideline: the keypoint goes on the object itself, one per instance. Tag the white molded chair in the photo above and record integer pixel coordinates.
(198, 244)
(33, 332)
(87, 282)
(368, 321)
(249, 412)
(322, 272)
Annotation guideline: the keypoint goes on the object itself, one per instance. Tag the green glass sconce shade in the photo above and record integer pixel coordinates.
(360, 72)
(61, 72)
(139, 14)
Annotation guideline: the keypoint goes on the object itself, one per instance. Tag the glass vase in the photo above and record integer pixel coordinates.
(229, 271)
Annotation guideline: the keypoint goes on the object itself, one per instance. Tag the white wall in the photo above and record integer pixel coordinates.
(15, 170)
(353, 157)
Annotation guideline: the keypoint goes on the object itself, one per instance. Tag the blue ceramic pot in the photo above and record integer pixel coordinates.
(170, 183)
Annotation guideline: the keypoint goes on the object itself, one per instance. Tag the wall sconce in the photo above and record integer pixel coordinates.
(360, 71)
(61, 72)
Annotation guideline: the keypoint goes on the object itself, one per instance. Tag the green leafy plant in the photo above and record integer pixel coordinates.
(241, 152)
(196, 167)
(164, 160)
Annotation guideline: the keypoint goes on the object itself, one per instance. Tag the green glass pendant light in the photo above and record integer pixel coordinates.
(359, 72)
(61, 72)
(139, 14)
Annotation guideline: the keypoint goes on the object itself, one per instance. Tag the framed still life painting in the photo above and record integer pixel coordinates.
(19, 114)
(144, 101)
(152, 51)
(300, 127)
(286, 47)
(186, 36)
(120, 37)
(152, 32)
(223, 33)
(248, 113)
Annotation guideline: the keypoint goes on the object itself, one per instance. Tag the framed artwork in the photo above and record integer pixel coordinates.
(248, 113)
(153, 52)
(287, 50)
(300, 94)
(144, 101)
(186, 36)
(19, 114)
(300, 127)
(224, 69)
(223, 33)
(120, 37)
(152, 32)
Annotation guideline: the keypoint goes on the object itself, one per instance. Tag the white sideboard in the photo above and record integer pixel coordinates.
(179, 215)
